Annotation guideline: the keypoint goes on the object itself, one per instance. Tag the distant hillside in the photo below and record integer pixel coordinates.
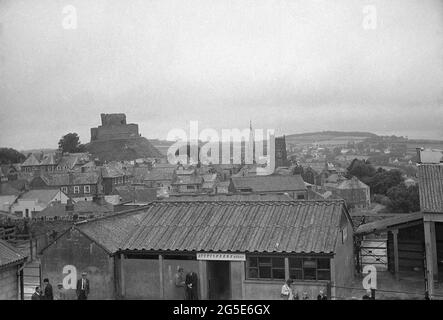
(329, 138)
(332, 134)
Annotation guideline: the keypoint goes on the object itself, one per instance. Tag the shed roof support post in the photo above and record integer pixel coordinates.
(286, 268)
(122, 275)
(431, 255)
(160, 266)
(396, 266)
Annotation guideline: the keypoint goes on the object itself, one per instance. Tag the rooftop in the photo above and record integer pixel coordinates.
(235, 226)
(430, 181)
(273, 183)
(9, 255)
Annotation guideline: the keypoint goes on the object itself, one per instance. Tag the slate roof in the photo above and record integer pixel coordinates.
(31, 161)
(41, 195)
(430, 182)
(63, 179)
(80, 207)
(138, 194)
(235, 226)
(271, 183)
(9, 255)
(111, 232)
(166, 173)
(352, 183)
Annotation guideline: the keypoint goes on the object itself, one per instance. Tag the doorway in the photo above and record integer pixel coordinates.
(219, 282)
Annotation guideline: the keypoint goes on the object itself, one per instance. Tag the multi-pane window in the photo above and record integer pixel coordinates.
(86, 189)
(265, 268)
(65, 189)
(310, 268)
(76, 189)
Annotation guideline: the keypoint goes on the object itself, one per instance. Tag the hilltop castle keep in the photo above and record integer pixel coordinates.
(116, 140)
(114, 126)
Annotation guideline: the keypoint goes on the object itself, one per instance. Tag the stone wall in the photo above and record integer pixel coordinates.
(9, 283)
(74, 249)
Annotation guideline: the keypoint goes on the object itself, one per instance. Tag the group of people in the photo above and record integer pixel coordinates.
(287, 293)
(189, 282)
(47, 293)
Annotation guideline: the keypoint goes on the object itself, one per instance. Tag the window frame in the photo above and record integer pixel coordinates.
(302, 268)
(76, 189)
(273, 268)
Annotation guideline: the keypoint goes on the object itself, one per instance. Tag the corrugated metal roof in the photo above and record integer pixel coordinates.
(9, 255)
(384, 224)
(236, 226)
(430, 179)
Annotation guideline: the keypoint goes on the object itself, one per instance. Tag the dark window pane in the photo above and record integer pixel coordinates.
(309, 263)
(295, 274)
(264, 260)
(278, 263)
(309, 274)
(295, 262)
(265, 272)
(252, 262)
(278, 273)
(252, 273)
(324, 275)
(323, 263)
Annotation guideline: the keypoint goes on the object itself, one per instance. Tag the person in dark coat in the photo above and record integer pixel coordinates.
(37, 294)
(48, 293)
(322, 296)
(191, 283)
(83, 287)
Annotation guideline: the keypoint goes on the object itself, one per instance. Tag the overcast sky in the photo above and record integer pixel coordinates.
(293, 66)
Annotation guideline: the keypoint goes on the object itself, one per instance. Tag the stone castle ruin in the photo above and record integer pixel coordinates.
(116, 140)
(114, 127)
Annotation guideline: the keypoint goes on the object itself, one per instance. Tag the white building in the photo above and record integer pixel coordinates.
(37, 200)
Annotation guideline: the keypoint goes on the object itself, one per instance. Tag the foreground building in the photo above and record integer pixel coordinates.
(238, 249)
(11, 273)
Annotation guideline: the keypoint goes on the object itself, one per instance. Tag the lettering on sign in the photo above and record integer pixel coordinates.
(222, 256)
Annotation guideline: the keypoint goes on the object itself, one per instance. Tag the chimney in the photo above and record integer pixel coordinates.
(71, 178)
(69, 208)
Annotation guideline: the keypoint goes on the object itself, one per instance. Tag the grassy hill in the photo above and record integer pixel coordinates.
(123, 149)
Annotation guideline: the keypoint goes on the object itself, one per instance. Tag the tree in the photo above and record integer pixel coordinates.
(384, 180)
(403, 199)
(70, 143)
(361, 169)
(9, 156)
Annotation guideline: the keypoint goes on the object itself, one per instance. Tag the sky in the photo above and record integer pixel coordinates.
(289, 65)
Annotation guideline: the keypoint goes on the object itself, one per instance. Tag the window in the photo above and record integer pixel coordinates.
(265, 268)
(300, 196)
(76, 189)
(310, 268)
(64, 189)
(190, 187)
(86, 189)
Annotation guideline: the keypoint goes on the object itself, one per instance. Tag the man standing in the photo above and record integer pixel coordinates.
(180, 281)
(286, 291)
(191, 286)
(36, 295)
(322, 296)
(48, 293)
(83, 287)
